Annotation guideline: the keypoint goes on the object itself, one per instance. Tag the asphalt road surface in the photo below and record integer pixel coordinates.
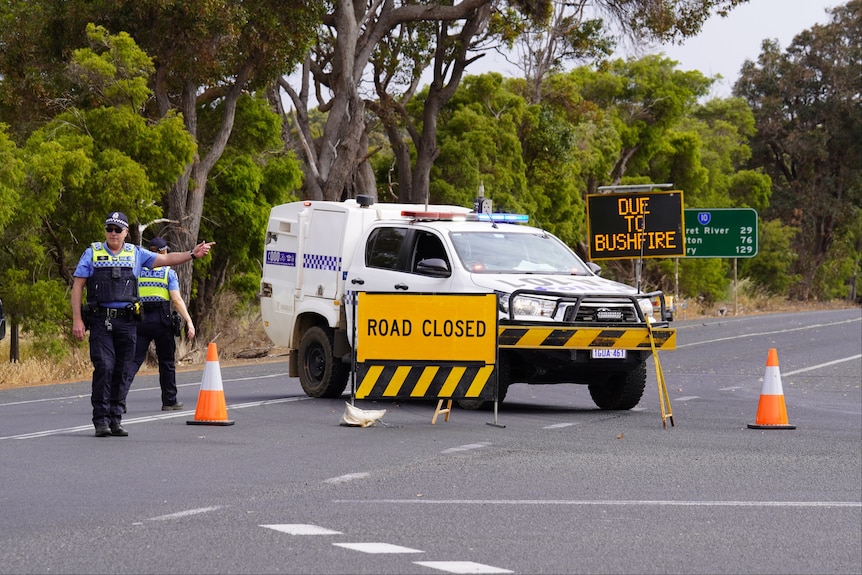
(556, 486)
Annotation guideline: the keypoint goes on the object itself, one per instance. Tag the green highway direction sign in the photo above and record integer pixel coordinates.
(720, 233)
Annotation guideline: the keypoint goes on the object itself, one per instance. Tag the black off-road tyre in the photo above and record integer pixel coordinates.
(321, 374)
(622, 390)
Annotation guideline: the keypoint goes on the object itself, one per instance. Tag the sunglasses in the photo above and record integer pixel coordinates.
(113, 229)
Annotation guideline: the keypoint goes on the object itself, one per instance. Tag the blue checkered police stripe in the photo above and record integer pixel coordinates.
(318, 262)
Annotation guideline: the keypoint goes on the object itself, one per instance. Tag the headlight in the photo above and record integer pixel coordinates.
(646, 307)
(531, 306)
(525, 305)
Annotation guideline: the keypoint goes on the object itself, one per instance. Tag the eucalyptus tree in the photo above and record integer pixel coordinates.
(207, 53)
(371, 56)
(376, 51)
(584, 31)
(807, 103)
(100, 154)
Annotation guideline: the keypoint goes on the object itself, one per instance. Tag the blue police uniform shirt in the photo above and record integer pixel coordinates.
(173, 282)
(143, 258)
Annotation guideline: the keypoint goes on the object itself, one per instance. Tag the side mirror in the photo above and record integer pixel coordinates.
(433, 267)
(595, 268)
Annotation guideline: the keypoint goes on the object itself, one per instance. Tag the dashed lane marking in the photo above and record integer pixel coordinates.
(347, 477)
(461, 567)
(186, 513)
(466, 447)
(378, 548)
(301, 529)
(559, 425)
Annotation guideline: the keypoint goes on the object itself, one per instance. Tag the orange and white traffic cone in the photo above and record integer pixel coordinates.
(211, 409)
(771, 411)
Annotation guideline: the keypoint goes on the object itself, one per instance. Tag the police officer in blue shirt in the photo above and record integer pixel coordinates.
(109, 270)
(158, 288)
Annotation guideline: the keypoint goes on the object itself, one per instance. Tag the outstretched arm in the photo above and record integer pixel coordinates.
(176, 258)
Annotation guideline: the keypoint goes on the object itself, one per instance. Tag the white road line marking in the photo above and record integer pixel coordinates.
(187, 513)
(686, 398)
(347, 477)
(828, 363)
(147, 418)
(466, 447)
(136, 390)
(559, 425)
(461, 567)
(378, 548)
(745, 335)
(301, 529)
(671, 503)
(731, 388)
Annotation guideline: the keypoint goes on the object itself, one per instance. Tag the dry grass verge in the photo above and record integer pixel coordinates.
(237, 331)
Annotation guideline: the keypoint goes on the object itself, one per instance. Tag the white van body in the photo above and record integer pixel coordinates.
(317, 254)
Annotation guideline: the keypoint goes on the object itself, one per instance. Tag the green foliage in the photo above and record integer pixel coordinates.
(38, 305)
(645, 98)
(771, 268)
(11, 176)
(704, 278)
(808, 118)
(839, 275)
(113, 70)
(77, 167)
(478, 143)
(253, 174)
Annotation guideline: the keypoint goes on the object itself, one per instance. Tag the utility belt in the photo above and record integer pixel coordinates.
(90, 312)
(111, 312)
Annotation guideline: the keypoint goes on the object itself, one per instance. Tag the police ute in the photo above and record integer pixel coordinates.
(559, 321)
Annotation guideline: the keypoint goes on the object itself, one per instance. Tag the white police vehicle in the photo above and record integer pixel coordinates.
(317, 254)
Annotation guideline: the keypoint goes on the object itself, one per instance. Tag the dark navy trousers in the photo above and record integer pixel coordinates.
(156, 327)
(111, 352)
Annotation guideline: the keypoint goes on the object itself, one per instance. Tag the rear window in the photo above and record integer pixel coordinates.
(383, 248)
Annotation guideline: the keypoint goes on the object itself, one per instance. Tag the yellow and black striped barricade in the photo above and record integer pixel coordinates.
(531, 336)
(415, 346)
(394, 380)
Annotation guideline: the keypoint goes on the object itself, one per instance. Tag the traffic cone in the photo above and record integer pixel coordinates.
(211, 409)
(771, 411)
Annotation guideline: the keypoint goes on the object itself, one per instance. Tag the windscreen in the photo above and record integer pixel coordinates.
(507, 252)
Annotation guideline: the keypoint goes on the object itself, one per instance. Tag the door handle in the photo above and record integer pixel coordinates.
(402, 287)
(357, 281)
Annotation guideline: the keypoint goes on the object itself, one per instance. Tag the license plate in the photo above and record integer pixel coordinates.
(608, 353)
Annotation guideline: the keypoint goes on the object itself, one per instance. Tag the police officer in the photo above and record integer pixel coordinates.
(158, 288)
(110, 271)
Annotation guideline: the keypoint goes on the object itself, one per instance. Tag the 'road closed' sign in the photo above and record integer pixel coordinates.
(420, 327)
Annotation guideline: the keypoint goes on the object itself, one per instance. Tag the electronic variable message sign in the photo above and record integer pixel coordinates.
(721, 233)
(634, 225)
